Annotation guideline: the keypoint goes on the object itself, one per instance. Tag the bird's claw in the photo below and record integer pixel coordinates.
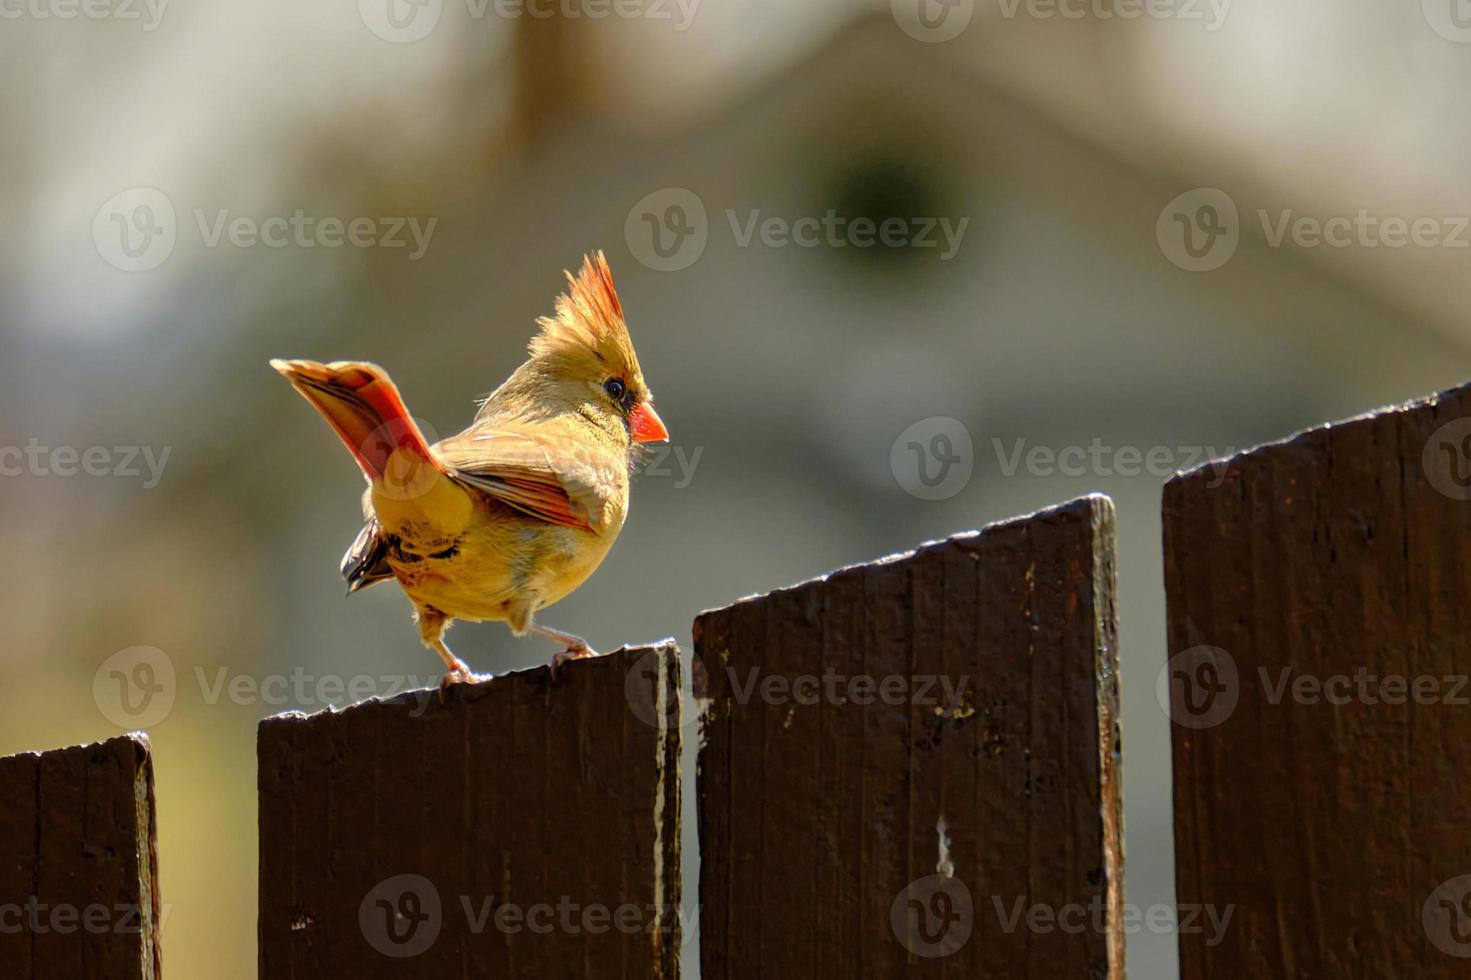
(576, 651)
(458, 674)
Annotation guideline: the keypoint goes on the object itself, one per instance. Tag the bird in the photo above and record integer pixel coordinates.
(515, 512)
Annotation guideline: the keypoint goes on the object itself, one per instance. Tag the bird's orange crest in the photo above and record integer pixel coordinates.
(589, 317)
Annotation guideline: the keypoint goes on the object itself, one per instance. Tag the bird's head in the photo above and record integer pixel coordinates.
(583, 360)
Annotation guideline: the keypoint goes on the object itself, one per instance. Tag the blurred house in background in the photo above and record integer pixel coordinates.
(1052, 319)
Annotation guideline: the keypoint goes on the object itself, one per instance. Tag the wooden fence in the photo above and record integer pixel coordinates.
(1321, 643)
(906, 768)
(891, 749)
(526, 827)
(78, 867)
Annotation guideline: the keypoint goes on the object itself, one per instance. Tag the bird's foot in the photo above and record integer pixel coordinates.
(458, 673)
(574, 651)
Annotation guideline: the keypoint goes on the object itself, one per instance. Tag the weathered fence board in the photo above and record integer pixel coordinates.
(1312, 585)
(525, 826)
(900, 756)
(78, 866)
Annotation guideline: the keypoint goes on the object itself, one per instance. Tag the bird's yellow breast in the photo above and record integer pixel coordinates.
(474, 558)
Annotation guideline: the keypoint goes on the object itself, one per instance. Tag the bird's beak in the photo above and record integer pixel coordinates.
(645, 425)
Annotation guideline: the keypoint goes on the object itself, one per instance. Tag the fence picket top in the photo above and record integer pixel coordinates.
(858, 835)
(1438, 404)
(1343, 551)
(542, 678)
(430, 835)
(78, 861)
(1096, 506)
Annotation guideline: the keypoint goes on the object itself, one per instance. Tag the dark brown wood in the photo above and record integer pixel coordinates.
(1333, 824)
(822, 817)
(522, 827)
(78, 865)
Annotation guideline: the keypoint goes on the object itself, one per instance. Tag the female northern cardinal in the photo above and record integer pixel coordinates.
(516, 511)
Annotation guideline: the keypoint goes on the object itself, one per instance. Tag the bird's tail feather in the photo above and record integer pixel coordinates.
(363, 407)
(366, 562)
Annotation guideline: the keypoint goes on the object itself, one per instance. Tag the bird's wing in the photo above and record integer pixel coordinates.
(544, 475)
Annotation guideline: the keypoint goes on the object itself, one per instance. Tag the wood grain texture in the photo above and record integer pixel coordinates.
(526, 826)
(1311, 586)
(78, 864)
(898, 756)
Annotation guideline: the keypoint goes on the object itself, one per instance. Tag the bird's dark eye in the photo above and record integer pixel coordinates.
(614, 388)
